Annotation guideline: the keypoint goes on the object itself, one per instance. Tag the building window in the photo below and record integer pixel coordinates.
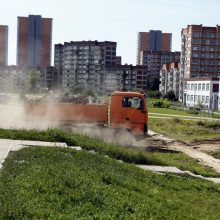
(191, 98)
(207, 99)
(195, 48)
(196, 34)
(195, 98)
(195, 55)
(199, 88)
(203, 98)
(195, 88)
(203, 87)
(215, 88)
(207, 87)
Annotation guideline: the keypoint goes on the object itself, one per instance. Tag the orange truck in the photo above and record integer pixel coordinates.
(127, 110)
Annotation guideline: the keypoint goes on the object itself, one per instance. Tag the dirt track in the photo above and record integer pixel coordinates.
(198, 150)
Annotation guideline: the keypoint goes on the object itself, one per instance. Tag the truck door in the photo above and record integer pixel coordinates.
(135, 113)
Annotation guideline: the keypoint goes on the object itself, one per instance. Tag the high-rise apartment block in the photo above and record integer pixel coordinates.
(82, 63)
(3, 45)
(154, 61)
(200, 52)
(93, 65)
(34, 40)
(153, 40)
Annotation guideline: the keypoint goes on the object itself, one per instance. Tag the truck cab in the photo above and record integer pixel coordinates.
(128, 110)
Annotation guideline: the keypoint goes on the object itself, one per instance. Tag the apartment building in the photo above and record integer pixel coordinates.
(154, 40)
(170, 78)
(83, 63)
(154, 61)
(125, 78)
(200, 51)
(203, 91)
(3, 45)
(93, 65)
(34, 40)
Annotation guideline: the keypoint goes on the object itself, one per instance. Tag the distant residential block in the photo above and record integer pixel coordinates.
(3, 45)
(154, 40)
(170, 79)
(93, 65)
(34, 40)
(200, 51)
(154, 61)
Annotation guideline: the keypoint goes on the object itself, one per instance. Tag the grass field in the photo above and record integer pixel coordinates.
(168, 111)
(55, 183)
(186, 130)
(179, 160)
(216, 155)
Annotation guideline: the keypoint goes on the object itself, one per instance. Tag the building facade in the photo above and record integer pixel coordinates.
(82, 64)
(170, 79)
(93, 65)
(154, 61)
(34, 40)
(3, 45)
(125, 78)
(202, 91)
(154, 40)
(200, 51)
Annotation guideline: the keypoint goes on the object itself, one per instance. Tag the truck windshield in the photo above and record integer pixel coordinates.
(133, 102)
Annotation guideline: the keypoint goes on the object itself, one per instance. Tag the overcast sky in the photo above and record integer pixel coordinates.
(115, 20)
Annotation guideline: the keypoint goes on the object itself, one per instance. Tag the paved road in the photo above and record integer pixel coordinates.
(7, 145)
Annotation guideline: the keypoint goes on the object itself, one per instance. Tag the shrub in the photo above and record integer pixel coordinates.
(193, 110)
(154, 94)
(161, 103)
(170, 96)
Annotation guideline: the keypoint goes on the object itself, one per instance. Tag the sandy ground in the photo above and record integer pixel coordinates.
(200, 151)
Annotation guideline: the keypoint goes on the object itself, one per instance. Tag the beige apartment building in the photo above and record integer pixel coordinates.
(170, 79)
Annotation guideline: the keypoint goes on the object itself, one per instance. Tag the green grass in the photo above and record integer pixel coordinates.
(55, 183)
(186, 130)
(216, 154)
(179, 160)
(168, 111)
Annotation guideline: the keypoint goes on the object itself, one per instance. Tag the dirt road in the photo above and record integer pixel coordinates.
(198, 150)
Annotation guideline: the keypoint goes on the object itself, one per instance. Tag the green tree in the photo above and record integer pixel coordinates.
(33, 80)
(170, 95)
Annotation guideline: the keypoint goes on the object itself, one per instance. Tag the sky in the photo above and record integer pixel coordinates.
(115, 20)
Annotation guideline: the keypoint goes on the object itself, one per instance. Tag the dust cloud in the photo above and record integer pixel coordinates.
(13, 116)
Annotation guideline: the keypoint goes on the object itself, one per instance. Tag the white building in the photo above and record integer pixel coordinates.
(202, 91)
